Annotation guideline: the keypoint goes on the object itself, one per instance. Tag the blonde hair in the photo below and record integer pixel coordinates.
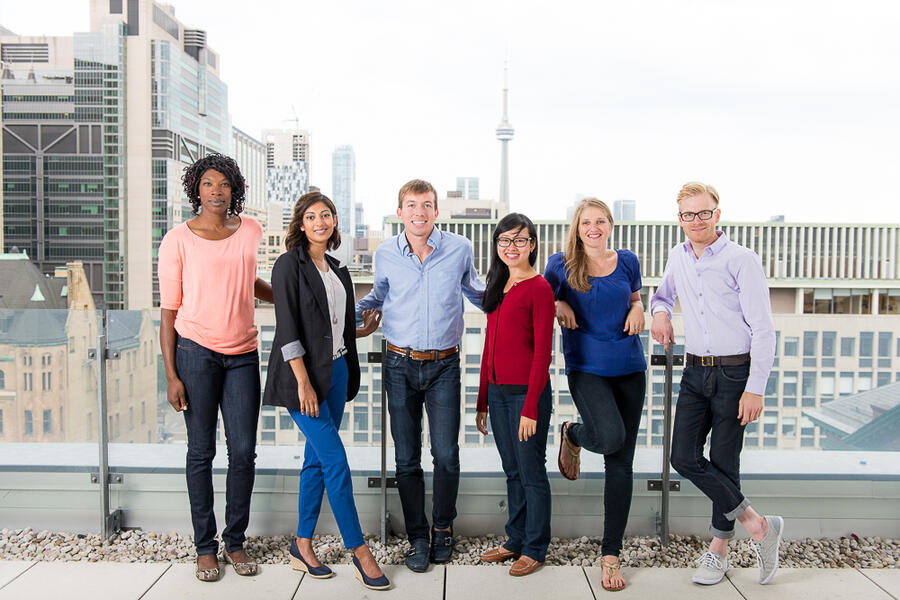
(694, 188)
(576, 258)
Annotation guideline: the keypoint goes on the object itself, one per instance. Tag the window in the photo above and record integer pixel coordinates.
(791, 346)
(827, 385)
(285, 421)
(268, 421)
(864, 382)
(1, 421)
(884, 343)
(62, 424)
(790, 383)
(789, 427)
(848, 346)
(48, 421)
(29, 425)
(865, 343)
(846, 383)
(810, 340)
(828, 342)
(2, 380)
(130, 417)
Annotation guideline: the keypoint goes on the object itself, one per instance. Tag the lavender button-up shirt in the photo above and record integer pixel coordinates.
(725, 300)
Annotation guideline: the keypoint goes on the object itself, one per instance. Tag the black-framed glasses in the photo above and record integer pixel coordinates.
(703, 215)
(518, 242)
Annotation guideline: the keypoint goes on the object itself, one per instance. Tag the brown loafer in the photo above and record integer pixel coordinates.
(524, 566)
(243, 568)
(498, 555)
(206, 574)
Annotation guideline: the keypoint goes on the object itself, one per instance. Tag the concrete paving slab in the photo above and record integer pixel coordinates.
(887, 579)
(651, 582)
(274, 582)
(10, 569)
(404, 584)
(466, 582)
(83, 581)
(814, 584)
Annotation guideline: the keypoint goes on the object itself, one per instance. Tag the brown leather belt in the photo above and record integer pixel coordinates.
(423, 354)
(735, 360)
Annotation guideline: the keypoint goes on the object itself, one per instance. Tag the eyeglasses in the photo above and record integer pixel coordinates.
(704, 215)
(519, 242)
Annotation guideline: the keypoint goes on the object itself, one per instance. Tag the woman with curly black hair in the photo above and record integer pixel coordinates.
(207, 283)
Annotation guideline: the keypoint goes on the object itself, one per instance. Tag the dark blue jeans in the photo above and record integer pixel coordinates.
(325, 464)
(527, 485)
(230, 382)
(708, 401)
(610, 408)
(434, 384)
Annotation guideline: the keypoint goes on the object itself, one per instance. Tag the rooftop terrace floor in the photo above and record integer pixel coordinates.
(152, 581)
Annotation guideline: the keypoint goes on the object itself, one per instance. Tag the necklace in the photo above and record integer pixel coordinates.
(330, 296)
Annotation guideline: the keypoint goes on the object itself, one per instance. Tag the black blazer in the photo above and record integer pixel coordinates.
(301, 313)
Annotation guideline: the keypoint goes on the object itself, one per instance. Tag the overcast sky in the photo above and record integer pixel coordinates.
(787, 107)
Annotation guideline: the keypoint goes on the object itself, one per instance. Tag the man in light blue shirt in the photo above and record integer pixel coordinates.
(421, 277)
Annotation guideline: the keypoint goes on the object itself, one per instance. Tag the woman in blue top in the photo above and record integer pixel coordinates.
(599, 308)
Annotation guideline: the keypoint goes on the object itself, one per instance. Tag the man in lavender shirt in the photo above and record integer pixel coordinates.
(730, 349)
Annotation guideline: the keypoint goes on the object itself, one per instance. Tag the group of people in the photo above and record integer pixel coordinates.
(208, 282)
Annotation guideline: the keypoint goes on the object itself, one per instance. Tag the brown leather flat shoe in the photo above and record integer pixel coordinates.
(206, 574)
(498, 555)
(524, 566)
(243, 568)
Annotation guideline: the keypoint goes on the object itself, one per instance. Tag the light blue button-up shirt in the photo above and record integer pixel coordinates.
(725, 302)
(422, 302)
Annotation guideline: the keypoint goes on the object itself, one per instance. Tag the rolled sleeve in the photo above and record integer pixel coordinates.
(292, 350)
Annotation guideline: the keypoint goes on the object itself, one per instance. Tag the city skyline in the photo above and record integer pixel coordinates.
(615, 102)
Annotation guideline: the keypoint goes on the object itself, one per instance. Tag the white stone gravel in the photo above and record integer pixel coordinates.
(682, 551)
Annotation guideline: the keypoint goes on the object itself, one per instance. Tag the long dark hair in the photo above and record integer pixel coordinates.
(224, 165)
(295, 234)
(498, 274)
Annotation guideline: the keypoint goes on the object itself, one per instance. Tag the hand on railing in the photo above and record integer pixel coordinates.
(661, 329)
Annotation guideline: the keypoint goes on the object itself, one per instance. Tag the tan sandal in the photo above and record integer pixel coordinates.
(569, 451)
(243, 568)
(610, 569)
(206, 574)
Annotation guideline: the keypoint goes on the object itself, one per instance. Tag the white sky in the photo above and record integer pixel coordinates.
(787, 107)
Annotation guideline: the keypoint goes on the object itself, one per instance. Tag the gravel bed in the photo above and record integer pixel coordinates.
(149, 546)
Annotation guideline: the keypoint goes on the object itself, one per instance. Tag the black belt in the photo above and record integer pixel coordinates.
(735, 360)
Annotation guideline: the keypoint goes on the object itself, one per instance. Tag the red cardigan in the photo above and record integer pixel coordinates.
(518, 342)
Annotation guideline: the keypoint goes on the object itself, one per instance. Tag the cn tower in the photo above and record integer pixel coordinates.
(505, 133)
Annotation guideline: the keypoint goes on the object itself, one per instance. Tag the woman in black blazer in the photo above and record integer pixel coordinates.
(313, 371)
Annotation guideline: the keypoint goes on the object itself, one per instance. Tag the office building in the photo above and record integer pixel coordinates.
(623, 210)
(287, 164)
(468, 187)
(250, 155)
(98, 127)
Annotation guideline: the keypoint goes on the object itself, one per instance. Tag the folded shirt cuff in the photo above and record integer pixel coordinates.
(292, 350)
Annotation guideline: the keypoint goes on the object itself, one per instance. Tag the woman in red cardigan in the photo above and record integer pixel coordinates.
(515, 387)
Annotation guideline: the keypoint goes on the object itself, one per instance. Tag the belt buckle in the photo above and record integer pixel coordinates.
(707, 361)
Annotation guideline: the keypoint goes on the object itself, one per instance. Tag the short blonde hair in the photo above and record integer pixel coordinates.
(576, 258)
(694, 188)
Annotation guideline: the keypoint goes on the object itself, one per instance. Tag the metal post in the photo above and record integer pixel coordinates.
(384, 514)
(667, 439)
(109, 522)
(665, 484)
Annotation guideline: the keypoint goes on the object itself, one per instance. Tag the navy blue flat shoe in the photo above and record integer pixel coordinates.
(298, 564)
(373, 583)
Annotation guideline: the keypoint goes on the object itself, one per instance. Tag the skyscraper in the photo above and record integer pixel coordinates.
(287, 169)
(468, 186)
(623, 210)
(343, 190)
(98, 127)
(505, 133)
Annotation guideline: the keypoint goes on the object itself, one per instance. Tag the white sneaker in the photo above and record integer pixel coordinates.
(767, 549)
(711, 569)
